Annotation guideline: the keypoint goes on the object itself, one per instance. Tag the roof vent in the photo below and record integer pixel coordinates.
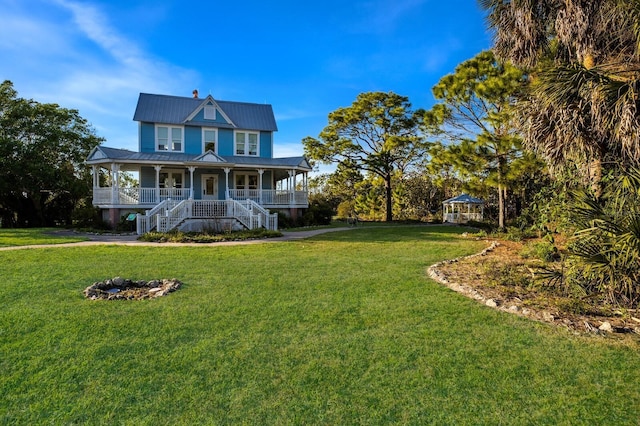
(195, 93)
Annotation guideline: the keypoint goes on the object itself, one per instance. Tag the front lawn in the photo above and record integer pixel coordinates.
(28, 236)
(344, 328)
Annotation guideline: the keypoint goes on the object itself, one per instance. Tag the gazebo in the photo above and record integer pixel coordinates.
(462, 209)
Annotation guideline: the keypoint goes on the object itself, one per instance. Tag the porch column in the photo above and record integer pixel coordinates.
(96, 176)
(191, 170)
(260, 172)
(115, 178)
(292, 187)
(157, 169)
(226, 182)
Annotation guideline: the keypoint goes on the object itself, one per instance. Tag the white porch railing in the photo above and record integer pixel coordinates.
(146, 196)
(271, 197)
(136, 196)
(461, 217)
(169, 214)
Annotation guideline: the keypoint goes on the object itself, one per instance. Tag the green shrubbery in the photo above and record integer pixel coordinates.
(207, 237)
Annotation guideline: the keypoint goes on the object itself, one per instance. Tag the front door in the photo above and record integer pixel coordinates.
(209, 187)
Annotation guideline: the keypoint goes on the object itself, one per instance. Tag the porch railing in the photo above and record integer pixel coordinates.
(135, 196)
(461, 217)
(170, 214)
(271, 197)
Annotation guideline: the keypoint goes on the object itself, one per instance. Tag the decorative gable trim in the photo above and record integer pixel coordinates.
(207, 102)
(209, 157)
(96, 154)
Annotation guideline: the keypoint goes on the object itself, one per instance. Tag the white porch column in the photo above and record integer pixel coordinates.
(291, 186)
(191, 170)
(96, 176)
(226, 182)
(115, 178)
(260, 173)
(157, 169)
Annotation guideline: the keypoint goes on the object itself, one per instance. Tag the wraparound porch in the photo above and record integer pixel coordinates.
(148, 197)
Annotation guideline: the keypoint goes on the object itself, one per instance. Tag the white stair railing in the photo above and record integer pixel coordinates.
(266, 219)
(169, 214)
(174, 216)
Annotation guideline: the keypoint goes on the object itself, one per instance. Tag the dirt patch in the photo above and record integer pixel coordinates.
(501, 278)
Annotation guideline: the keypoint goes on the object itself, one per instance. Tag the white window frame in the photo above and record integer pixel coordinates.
(246, 143)
(246, 175)
(204, 142)
(169, 138)
(209, 112)
(170, 173)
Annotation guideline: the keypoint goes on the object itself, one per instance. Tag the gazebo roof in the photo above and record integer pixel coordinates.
(463, 199)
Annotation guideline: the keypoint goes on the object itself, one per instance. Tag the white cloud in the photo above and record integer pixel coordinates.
(383, 16)
(80, 60)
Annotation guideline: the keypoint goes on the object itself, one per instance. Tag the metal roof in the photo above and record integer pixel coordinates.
(463, 199)
(168, 109)
(103, 154)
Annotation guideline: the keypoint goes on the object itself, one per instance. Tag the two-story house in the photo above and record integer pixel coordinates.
(200, 162)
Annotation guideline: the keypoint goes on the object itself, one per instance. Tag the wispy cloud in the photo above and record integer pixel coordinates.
(382, 16)
(97, 69)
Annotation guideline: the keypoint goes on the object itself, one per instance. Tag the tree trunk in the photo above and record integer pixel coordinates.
(500, 207)
(595, 176)
(389, 199)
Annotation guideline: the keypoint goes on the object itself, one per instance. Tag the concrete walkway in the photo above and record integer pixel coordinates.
(132, 240)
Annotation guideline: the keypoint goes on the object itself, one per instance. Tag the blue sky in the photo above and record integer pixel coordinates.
(306, 58)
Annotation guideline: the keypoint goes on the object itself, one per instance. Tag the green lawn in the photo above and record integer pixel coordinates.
(344, 328)
(25, 237)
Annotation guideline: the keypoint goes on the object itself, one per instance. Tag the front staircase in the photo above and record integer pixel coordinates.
(170, 214)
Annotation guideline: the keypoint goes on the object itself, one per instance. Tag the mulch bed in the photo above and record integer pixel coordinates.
(500, 278)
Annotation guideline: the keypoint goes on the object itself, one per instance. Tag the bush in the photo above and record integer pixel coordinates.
(542, 250)
(208, 237)
(319, 213)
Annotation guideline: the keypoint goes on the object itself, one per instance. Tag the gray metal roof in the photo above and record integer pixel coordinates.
(176, 109)
(103, 154)
(463, 199)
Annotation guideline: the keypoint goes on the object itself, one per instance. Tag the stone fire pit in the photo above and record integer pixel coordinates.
(123, 289)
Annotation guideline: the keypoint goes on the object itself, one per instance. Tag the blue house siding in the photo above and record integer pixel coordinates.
(266, 145)
(193, 140)
(225, 142)
(147, 137)
(147, 177)
(266, 180)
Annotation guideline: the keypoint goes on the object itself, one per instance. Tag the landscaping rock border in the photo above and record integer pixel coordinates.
(124, 289)
(514, 305)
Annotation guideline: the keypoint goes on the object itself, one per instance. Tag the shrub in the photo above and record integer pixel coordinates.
(605, 250)
(542, 250)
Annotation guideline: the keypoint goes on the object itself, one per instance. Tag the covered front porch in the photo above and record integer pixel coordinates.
(123, 184)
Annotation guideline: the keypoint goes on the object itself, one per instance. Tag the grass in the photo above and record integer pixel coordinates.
(29, 236)
(344, 328)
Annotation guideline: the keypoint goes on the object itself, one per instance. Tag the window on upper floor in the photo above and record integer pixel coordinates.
(246, 143)
(209, 112)
(169, 138)
(209, 140)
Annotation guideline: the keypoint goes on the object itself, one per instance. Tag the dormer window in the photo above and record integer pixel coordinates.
(169, 139)
(209, 112)
(246, 143)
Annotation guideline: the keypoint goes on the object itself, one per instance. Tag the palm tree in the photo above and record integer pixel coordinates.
(583, 58)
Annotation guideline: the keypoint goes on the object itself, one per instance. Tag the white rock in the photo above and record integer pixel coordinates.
(606, 326)
(491, 303)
